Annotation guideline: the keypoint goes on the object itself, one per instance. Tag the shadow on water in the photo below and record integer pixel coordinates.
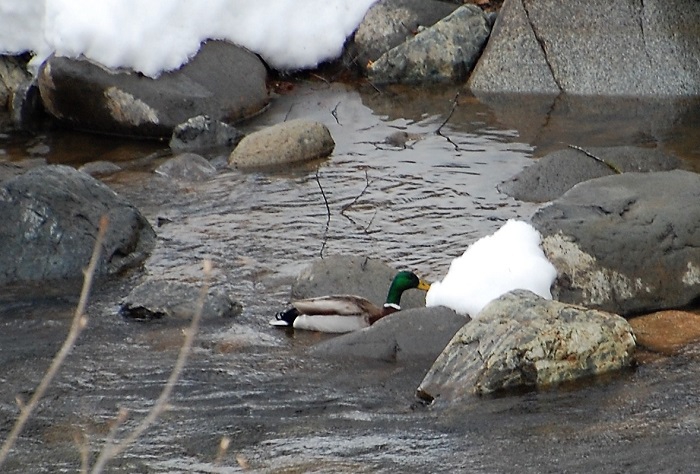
(404, 185)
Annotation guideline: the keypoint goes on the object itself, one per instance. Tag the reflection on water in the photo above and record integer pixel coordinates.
(415, 202)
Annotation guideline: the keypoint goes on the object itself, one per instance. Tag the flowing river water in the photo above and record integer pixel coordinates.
(412, 181)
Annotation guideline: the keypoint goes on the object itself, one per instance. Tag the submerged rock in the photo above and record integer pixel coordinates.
(523, 340)
(551, 176)
(412, 334)
(628, 243)
(445, 52)
(294, 141)
(51, 218)
(188, 167)
(223, 81)
(156, 299)
(352, 275)
(620, 48)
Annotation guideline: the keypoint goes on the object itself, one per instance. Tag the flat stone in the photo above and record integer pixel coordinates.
(412, 334)
(667, 332)
(203, 133)
(554, 174)
(157, 299)
(289, 142)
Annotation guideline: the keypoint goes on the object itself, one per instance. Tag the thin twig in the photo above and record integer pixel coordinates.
(328, 213)
(597, 158)
(354, 201)
(334, 113)
(112, 450)
(78, 324)
(449, 116)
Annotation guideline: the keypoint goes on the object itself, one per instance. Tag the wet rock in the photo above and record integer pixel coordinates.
(294, 141)
(388, 23)
(592, 48)
(13, 74)
(445, 52)
(51, 217)
(156, 299)
(628, 243)
(223, 81)
(556, 173)
(187, 167)
(412, 334)
(202, 133)
(666, 332)
(523, 340)
(100, 168)
(352, 275)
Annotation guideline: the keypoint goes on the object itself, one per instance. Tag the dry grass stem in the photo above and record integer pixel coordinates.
(78, 324)
(111, 449)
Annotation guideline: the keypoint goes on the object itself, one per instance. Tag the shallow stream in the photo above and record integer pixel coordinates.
(412, 181)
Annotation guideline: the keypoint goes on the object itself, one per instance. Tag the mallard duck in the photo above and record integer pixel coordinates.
(346, 313)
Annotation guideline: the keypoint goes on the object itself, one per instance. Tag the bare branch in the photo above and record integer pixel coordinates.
(597, 158)
(112, 450)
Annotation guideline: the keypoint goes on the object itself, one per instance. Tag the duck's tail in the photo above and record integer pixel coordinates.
(285, 318)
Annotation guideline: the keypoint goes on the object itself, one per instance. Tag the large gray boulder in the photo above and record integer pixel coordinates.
(552, 175)
(388, 23)
(594, 47)
(628, 243)
(50, 219)
(223, 81)
(352, 275)
(445, 52)
(418, 334)
(523, 340)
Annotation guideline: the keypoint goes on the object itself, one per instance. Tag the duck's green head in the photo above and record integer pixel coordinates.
(403, 281)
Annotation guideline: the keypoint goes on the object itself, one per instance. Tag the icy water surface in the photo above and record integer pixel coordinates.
(405, 185)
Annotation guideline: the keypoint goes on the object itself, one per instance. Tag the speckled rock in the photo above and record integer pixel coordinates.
(445, 52)
(523, 340)
(294, 141)
(627, 243)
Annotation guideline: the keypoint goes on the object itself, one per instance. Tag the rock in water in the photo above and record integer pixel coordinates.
(522, 340)
(628, 243)
(294, 141)
(50, 219)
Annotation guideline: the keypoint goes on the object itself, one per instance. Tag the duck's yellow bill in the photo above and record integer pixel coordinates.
(422, 285)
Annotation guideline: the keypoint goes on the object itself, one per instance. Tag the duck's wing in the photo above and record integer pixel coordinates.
(331, 323)
(339, 305)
